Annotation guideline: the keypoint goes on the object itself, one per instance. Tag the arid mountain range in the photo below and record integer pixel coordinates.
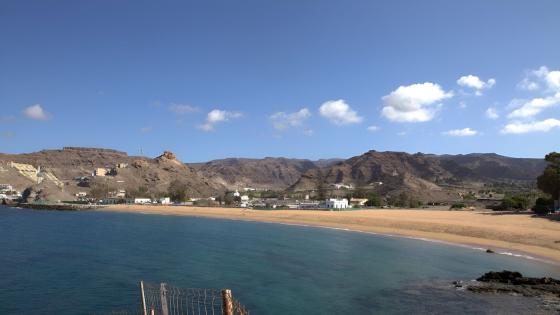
(430, 177)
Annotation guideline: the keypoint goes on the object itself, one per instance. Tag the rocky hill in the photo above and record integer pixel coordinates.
(60, 174)
(63, 173)
(429, 177)
(267, 173)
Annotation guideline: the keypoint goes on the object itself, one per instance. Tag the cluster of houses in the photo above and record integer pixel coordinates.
(331, 203)
(7, 192)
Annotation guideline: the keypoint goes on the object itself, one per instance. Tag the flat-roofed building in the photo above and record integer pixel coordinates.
(334, 203)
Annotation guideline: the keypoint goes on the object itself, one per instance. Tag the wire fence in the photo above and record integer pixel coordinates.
(162, 299)
(183, 301)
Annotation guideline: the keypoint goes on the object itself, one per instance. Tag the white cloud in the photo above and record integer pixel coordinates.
(535, 106)
(373, 128)
(339, 113)
(216, 116)
(414, 103)
(527, 84)
(282, 120)
(462, 105)
(145, 129)
(182, 109)
(36, 112)
(474, 82)
(550, 78)
(492, 113)
(540, 126)
(465, 132)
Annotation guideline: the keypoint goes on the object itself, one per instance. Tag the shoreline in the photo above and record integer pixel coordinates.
(515, 235)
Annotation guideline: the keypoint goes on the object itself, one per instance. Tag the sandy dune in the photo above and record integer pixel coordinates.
(519, 233)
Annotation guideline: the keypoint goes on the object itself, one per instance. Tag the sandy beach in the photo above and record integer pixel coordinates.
(518, 233)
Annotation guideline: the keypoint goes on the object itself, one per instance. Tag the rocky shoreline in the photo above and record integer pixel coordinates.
(57, 207)
(514, 283)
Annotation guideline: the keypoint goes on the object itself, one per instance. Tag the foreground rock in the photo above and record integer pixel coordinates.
(514, 282)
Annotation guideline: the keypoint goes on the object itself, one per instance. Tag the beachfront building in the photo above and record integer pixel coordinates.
(334, 203)
(236, 194)
(244, 198)
(142, 200)
(165, 201)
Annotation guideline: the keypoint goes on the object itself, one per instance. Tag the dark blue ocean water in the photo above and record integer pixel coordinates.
(81, 262)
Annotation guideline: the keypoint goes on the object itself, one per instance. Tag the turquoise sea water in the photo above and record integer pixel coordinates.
(81, 262)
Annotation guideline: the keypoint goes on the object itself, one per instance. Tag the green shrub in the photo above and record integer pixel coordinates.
(458, 205)
(513, 202)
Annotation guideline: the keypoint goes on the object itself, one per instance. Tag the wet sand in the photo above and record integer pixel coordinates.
(516, 233)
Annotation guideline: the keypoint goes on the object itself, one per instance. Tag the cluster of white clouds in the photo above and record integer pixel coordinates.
(533, 126)
(523, 116)
(216, 116)
(465, 132)
(535, 106)
(420, 102)
(282, 121)
(538, 78)
(36, 112)
(475, 83)
(414, 103)
(339, 113)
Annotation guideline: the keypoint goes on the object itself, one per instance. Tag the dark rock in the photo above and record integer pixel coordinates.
(489, 251)
(513, 282)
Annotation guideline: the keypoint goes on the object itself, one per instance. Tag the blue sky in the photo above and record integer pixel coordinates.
(307, 79)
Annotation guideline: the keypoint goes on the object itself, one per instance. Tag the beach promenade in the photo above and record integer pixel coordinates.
(516, 233)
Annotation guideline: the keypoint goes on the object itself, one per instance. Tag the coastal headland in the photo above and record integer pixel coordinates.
(515, 233)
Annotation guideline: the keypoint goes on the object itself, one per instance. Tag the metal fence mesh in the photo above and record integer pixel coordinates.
(162, 299)
(182, 301)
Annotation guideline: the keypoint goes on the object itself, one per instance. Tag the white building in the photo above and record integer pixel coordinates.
(244, 198)
(142, 200)
(236, 194)
(336, 203)
(165, 201)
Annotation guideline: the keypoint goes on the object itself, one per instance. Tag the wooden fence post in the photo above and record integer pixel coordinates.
(144, 310)
(227, 302)
(163, 299)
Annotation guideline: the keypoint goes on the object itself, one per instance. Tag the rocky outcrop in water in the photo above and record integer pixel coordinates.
(546, 289)
(514, 282)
